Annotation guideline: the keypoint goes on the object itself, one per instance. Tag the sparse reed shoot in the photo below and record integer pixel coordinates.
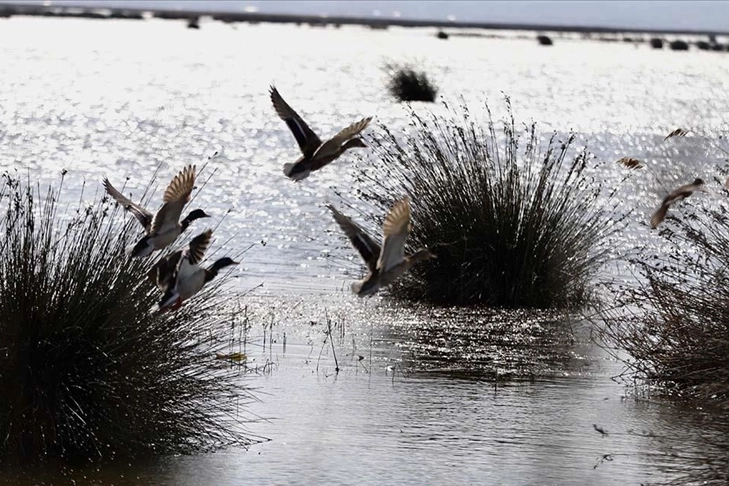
(673, 321)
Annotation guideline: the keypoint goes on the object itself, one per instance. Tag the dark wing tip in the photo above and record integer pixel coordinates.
(198, 246)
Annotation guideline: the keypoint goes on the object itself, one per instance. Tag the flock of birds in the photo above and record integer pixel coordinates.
(674, 196)
(179, 275)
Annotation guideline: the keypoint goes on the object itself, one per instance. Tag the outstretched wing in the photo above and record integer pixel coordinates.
(143, 216)
(352, 130)
(677, 133)
(198, 247)
(333, 146)
(306, 138)
(395, 231)
(176, 196)
(659, 215)
(631, 163)
(181, 185)
(367, 247)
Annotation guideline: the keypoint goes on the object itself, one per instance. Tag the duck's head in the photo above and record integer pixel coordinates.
(224, 262)
(698, 182)
(218, 266)
(197, 214)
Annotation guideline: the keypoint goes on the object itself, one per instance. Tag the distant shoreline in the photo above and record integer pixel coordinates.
(11, 9)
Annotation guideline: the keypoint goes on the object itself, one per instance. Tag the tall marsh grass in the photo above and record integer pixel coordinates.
(673, 321)
(88, 369)
(513, 223)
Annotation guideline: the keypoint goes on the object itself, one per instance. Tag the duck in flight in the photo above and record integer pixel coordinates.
(163, 227)
(315, 153)
(180, 276)
(388, 262)
(676, 195)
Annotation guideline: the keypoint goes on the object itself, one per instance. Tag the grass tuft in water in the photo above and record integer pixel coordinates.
(673, 321)
(88, 369)
(512, 224)
(407, 84)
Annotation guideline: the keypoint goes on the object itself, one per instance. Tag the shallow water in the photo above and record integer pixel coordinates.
(439, 396)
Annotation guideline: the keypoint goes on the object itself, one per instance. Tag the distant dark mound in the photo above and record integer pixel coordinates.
(679, 45)
(703, 45)
(544, 40)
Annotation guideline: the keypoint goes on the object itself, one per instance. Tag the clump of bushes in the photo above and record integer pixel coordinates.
(544, 40)
(673, 322)
(88, 369)
(513, 224)
(407, 84)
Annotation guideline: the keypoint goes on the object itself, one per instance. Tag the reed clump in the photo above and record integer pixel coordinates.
(512, 224)
(673, 321)
(407, 84)
(88, 369)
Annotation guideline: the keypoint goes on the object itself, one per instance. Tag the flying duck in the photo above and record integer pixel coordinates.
(180, 275)
(163, 227)
(315, 153)
(674, 196)
(388, 262)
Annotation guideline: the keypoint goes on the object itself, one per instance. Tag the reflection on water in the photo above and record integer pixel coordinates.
(423, 395)
(400, 412)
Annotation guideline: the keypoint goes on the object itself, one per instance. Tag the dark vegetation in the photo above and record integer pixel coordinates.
(544, 40)
(679, 45)
(513, 223)
(703, 45)
(407, 84)
(88, 369)
(674, 322)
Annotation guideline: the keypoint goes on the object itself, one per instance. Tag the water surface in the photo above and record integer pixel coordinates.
(436, 396)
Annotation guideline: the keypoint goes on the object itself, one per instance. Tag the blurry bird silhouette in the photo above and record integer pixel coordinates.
(676, 195)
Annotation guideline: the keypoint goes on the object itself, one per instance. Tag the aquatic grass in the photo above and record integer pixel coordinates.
(673, 320)
(88, 369)
(513, 224)
(407, 84)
